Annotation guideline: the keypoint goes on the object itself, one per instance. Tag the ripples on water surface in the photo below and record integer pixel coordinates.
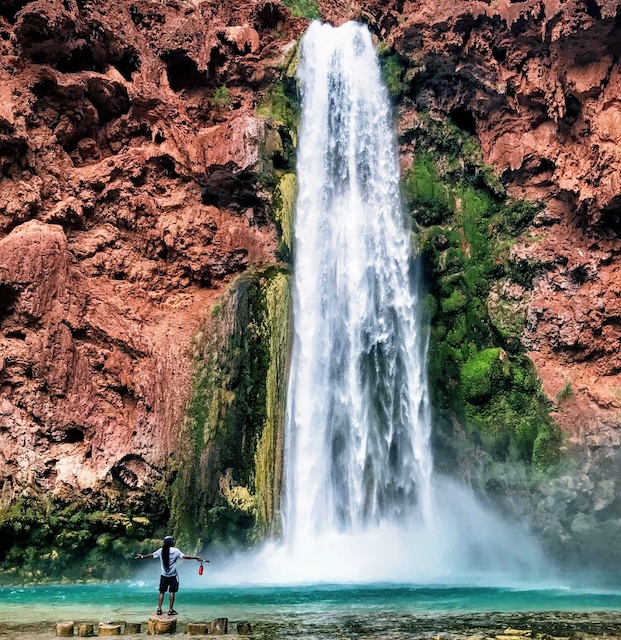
(327, 610)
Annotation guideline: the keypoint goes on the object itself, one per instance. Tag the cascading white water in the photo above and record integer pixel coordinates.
(361, 502)
(358, 421)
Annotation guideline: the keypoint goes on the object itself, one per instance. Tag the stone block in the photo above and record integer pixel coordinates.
(159, 625)
(197, 628)
(244, 628)
(106, 629)
(65, 629)
(86, 630)
(218, 626)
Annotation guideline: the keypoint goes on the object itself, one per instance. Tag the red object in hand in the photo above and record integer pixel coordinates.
(200, 570)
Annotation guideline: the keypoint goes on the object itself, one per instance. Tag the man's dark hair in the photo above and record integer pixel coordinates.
(168, 542)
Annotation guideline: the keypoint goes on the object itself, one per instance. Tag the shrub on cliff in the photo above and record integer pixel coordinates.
(303, 9)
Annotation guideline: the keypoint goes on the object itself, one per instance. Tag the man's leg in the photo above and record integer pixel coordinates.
(174, 587)
(160, 598)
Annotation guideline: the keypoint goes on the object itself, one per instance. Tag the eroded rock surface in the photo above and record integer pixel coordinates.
(130, 193)
(538, 83)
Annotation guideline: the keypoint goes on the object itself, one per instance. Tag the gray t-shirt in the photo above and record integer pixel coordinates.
(173, 556)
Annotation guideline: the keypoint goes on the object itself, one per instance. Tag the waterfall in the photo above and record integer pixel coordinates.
(358, 421)
(361, 501)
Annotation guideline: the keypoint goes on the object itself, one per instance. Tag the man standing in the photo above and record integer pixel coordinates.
(169, 579)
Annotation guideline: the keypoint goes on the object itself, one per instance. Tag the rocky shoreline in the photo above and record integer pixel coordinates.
(549, 625)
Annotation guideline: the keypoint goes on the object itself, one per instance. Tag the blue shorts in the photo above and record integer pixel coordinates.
(169, 583)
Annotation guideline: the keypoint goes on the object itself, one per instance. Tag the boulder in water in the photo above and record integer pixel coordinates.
(65, 629)
(524, 633)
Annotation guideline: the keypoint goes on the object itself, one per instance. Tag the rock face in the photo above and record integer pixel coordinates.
(538, 82)
(129, 195)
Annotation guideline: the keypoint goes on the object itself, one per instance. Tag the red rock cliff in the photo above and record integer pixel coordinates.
(130, 194)
(538, 83)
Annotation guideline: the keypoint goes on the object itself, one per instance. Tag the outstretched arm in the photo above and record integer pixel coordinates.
(139, 556)
(195, 558)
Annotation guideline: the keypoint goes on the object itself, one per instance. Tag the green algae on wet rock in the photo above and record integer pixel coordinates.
(227, 485)
(465, 225)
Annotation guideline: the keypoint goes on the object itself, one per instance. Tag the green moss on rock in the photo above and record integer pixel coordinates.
(283, 207)
(280, 105)
(478, 373)
(228, 470)
(394, 71)
(70, 536)
(269, 450)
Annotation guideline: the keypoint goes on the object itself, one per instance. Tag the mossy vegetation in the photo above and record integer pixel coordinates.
(283, 206)
(280, 107)
(466, 225)
(228, 471)
(270, 447)
(394, 73)
(70, 536)
(308, 9)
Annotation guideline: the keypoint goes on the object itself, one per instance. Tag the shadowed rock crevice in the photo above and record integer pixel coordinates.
(183, 72)
(50, 33)
(8, 299)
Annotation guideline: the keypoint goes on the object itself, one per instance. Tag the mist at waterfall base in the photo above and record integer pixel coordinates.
(361, 501)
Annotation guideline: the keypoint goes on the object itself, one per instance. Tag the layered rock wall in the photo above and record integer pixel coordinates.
(131, 191)
(537, 82)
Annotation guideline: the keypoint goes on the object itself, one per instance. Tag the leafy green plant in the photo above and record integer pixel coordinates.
(221, 98)
(303, 8)
(393, 72)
